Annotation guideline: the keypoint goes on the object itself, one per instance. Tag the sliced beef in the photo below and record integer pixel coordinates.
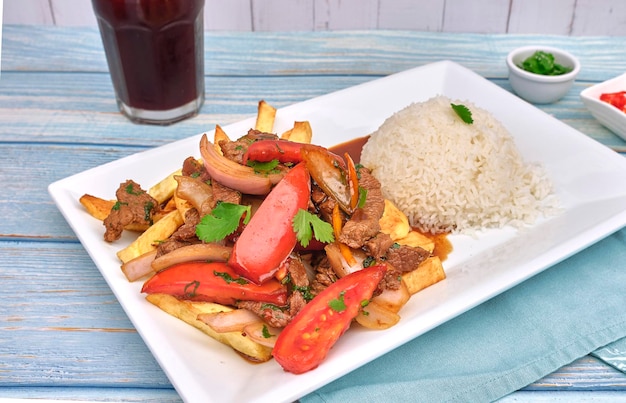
(363, 224)
(406, 258)
(194, 168)
(223, 193)
(134, 205)
(391, 281)
(183, 236)
(378, 246)
(324, 276)
(272, 314)
(322, 203)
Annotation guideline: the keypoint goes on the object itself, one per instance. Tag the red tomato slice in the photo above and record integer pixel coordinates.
(304, 343)
(213, 282)
(617, 99)
(268, 239)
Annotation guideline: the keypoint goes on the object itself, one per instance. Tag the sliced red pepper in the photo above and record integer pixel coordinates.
(268, 239)
(617, 99)
(304, 343)
(284, 151)
(212, 282)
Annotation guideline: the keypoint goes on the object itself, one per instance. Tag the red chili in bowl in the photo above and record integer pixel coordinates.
(617, 99)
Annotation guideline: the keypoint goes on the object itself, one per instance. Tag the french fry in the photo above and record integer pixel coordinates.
(164, 190)
(145, 242)
(416, 239)
(301, 132)
(97, 207)
(427, 274)
(394, 222)
(101, 208)
(265, 117)
(219, 135)
(188, 312)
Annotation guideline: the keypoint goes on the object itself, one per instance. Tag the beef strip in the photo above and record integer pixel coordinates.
(194, 168)
(391, 281)
(134, 205)
(363, 224)
(324, 276)
(271, 314)
(378, 246)
(183, 236)
(279, 316)
(322, 203)
(223, 193)
(406, 258)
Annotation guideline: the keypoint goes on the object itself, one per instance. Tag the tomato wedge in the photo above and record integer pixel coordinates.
(212, 282)
(305, 341)
(268, 239)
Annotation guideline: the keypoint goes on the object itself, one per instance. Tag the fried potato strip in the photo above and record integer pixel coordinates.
(188, 312)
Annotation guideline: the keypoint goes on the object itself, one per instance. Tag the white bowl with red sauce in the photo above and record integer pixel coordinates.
(607, 103)
(541, 88)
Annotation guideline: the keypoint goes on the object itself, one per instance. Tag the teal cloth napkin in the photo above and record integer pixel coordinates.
(502, 345)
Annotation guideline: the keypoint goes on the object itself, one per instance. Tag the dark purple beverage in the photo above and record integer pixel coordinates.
(155, 52)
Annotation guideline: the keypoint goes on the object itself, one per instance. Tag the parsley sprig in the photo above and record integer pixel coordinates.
(305, 225)
(464, 113)
(223, 221)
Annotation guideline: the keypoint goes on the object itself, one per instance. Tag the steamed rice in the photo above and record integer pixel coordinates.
(450, 176)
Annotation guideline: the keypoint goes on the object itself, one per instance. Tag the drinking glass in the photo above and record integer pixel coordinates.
(155, 53)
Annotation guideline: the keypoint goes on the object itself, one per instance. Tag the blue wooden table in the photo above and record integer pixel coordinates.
(63, 335)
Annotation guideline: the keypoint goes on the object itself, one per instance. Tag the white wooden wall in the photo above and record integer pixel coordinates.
(561, 17)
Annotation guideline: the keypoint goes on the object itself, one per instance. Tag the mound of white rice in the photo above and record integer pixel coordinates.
(451, 176)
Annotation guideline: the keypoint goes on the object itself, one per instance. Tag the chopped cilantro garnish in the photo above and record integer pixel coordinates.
(266, 332)
(263, 167)
(223, 221)
(305, 225)
(464, 113)
(191, 288)
(230, 279)
(338, 304)
(305, 291)
(118, 205)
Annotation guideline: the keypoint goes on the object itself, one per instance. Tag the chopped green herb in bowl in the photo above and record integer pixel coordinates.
(543, 63)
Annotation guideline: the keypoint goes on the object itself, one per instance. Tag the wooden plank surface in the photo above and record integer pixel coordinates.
(58, 117)
(562, 17)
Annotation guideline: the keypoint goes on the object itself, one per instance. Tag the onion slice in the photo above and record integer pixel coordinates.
(196, 192)
(201, 251)
(262, 333)
(376, 317)
(229, 321)
(234, 175)
(140, 266)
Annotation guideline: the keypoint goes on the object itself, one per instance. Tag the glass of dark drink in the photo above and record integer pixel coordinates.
(155, 53)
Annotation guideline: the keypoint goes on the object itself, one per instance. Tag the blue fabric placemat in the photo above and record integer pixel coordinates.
(613, 354)
(504, 344)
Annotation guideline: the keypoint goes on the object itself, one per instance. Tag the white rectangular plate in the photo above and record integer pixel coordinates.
(589, 180)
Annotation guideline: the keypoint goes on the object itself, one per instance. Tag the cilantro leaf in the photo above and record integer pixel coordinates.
(305, 225)
(223, 221)
(464, 113)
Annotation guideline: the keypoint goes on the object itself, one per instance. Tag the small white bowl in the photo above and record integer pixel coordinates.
(610, 117)
(538, 88)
